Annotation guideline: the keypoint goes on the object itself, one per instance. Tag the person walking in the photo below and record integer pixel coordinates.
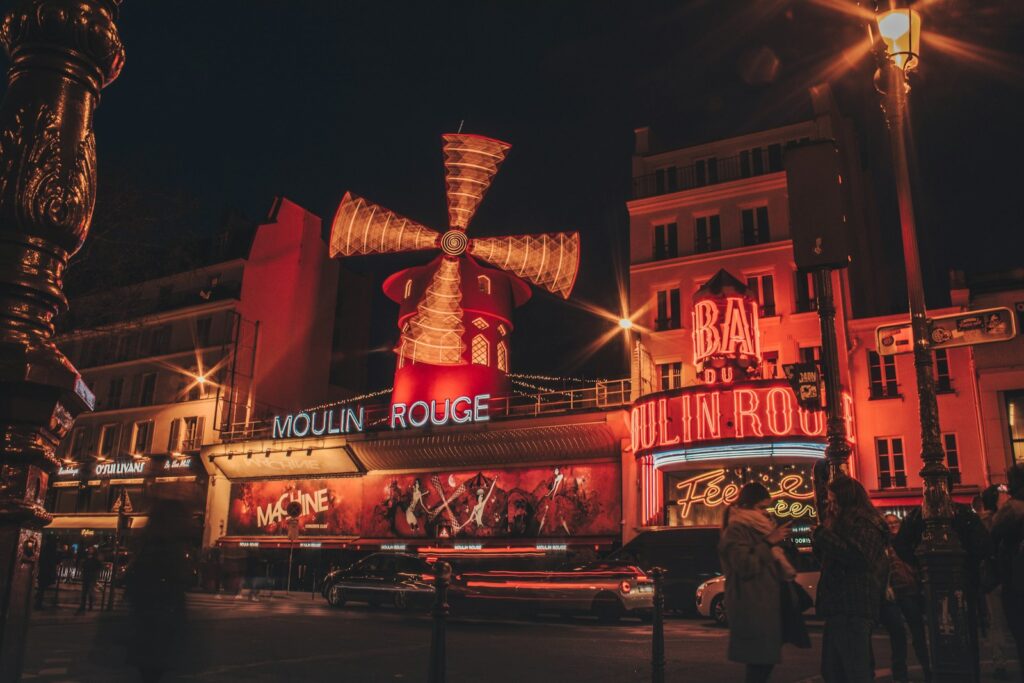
(47, 572)
(755, 568)
(903, 608)
(850, 544)
(997, 638)
(1008, 537)
(90, 573)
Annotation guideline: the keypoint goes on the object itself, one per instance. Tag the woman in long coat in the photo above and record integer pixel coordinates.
(755, 569)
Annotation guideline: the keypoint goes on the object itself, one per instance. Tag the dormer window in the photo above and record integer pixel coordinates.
(484, 283)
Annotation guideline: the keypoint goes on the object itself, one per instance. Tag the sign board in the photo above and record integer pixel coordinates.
(947, 331)
(817, 220)
(805, 378)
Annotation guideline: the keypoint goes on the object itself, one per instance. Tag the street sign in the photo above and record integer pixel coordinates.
(805, 379)
(983, 326)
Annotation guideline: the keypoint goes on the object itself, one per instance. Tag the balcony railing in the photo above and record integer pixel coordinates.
(599, 396)
(709, 172)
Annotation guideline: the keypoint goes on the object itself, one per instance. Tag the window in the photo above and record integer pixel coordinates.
(705, 171)
(666, 241)
(774, 157)
(502, 330)
(671, 375)
(755, 226)
(882, 372)
(666, 179)
(147, 389)
(1015, 421)
(751, 162)
(668, 310)
(480, 355)
(806, 299)
(810, 354)
(502, 354)
(191, 433)
(203, 326)
(109, 435)
(160, 340)
(408, 289)
(942, 378)
(114, 390)
(480, 324)
(949, 447)
(124, 347)
(891, 466)
(79, 439)
(762, 288)
(707, 234)
(484, 283)
(770, 365)
(142, 435)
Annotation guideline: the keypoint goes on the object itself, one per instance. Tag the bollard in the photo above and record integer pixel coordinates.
(658, 629)
(442, 577)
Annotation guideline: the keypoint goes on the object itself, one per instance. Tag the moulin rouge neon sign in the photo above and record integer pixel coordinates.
(752, 410)
(711, 490)
(733, 336)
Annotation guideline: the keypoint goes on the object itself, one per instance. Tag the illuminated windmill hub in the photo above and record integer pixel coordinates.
(455, 311)
(454, 243)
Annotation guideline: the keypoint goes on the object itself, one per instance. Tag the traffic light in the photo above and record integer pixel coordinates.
(817, 218)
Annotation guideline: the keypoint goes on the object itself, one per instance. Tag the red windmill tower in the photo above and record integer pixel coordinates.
(455, 315)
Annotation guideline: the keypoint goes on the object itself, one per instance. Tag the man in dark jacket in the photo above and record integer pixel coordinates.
(850, 544)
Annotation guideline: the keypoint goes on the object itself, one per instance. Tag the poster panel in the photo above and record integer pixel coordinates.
(330, 507)
(556, 501)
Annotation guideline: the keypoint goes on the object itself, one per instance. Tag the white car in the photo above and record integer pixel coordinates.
(711, 593)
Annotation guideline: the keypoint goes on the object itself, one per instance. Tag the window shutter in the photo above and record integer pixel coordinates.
(200, 422)
(172, 439)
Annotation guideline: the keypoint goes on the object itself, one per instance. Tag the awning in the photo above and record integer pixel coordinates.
(97, 521)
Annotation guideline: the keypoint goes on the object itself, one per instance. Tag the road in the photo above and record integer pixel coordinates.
(286, 639)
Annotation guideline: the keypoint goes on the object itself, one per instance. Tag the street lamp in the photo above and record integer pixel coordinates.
(940, 552)
(626, 324)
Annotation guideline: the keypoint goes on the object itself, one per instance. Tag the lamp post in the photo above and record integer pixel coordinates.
(940, 553)
(62, 53)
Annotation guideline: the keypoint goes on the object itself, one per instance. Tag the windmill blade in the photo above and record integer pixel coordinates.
(550, 261)
(362, 227)
(434, 333)
(470, 162)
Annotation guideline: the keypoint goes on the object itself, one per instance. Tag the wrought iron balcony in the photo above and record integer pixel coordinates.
(703, 173)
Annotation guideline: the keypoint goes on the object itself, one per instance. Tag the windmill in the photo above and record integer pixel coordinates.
(455, 311)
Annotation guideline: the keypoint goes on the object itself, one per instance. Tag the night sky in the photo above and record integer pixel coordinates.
(223, 105)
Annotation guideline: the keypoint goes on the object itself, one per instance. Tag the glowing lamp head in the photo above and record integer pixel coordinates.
(626, 324)
(900, 30)
(201, 379)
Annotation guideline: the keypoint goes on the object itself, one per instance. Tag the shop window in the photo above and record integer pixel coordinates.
(666, 241)
(882, 374)
(952, 451)
(1015, 421)
(484, 283)
(668, 310)
(755, 226)
(891, 463)
(671, 375)
(502, 354)
(943, 382)
(479, 350)
(65, 500)
(762, 288)
(707, 234)
(142, 435)
(806, 300)
(109, 435)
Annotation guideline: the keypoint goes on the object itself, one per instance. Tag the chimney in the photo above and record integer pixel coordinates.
(643, 140)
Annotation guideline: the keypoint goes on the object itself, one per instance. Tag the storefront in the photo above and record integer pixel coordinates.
(492, 483)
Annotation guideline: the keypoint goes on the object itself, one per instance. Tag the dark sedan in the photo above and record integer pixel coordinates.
(382, 578)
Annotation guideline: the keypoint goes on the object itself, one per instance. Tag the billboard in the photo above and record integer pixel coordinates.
(330, 507)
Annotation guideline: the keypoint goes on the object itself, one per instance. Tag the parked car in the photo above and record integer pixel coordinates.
(710, 596)
(609, 591)
(402, 580)
(688, 554)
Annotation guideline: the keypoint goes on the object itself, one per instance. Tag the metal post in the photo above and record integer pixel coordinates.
(291, 553)
(837, 449)
(442, 577)
(658, 628)
(62, 52)
(940, 552)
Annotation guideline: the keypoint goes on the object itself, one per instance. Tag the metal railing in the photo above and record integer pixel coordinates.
(601, 395)
(708, 172)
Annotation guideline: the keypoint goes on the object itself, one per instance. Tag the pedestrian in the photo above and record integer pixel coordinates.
(997, 639)
(755, 568)
(1008, 536)
(155, 589)
(850, 543)
(90, 572)
(903, 608)
(976, 543)
(47, 570)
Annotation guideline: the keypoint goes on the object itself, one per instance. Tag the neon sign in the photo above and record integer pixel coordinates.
(700, 498)
(327, 422)
(734, 335)
(752, 410)
(459, 411)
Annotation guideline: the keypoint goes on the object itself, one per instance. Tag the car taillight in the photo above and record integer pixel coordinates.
(625, 587)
